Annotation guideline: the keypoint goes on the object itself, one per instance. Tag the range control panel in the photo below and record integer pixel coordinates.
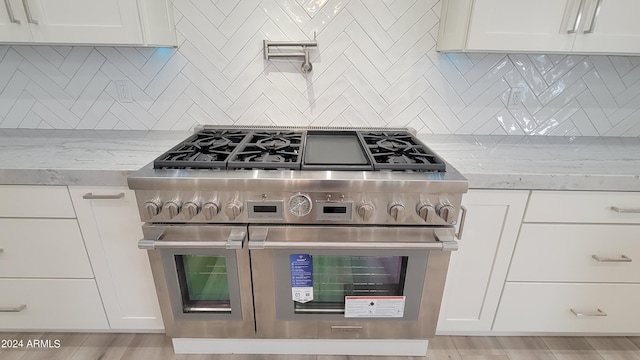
(302, 208)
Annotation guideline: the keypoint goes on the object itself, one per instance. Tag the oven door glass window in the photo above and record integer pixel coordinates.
(204, 283)
(335, 277)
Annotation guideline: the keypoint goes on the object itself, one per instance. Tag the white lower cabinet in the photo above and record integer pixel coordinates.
(43, 248)
(51, 304)
(46, 279)
(477, 271)
(35, 202)
(569, 307)
(577, 253)
(110, 224)
(575, 265)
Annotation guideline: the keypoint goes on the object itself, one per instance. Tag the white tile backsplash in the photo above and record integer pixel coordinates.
(375, 65)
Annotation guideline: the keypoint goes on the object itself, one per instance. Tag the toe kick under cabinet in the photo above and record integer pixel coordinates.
(46, 279)
(576, 265)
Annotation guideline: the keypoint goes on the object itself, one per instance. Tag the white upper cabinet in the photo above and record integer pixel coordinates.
(87, 21)
(563, 26)
(11, 23)
(522, 25)
(610, 26)
(92, 22)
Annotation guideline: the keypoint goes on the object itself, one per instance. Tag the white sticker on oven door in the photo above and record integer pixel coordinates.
(301, 277)
(374, 306)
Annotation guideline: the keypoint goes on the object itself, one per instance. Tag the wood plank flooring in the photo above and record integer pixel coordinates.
(83, 346)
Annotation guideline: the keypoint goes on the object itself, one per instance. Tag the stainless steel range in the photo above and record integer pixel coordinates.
(299, 233)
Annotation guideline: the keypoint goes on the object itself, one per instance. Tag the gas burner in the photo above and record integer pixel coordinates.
(264, 158)
(394, 145)
(208, 143)
(273, 142)
(400, 151)
(269, 150)
(206, 149)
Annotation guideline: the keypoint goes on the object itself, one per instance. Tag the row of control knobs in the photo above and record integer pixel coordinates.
(396, 210)
(234, 208)
(190, 209)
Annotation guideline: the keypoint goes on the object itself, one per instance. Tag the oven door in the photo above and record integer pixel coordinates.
(202, 278)
(348, 282)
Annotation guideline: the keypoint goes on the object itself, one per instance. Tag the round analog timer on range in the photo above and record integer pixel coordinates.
(300, 205)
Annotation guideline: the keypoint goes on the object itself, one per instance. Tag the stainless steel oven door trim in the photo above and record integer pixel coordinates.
(199, 313)
(426, 245)
(166, 242)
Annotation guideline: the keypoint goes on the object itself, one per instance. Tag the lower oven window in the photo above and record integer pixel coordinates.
(335, 277)
(204, 283)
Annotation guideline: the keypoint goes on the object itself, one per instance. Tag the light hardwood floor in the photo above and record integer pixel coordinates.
(81, 346)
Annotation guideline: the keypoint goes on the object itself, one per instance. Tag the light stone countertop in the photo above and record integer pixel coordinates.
(79, 157)
(543, 162)
(105, 158)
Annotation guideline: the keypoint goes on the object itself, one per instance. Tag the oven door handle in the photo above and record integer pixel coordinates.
(147, 244)
(258, 239)
(233, 242)
(348, 245)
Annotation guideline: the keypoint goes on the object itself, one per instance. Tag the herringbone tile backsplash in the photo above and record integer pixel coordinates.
(376, 65)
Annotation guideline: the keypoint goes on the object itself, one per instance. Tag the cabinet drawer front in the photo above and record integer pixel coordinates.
(35, 201)
(51, 304)
(565, 252)
(583, 207)
(51, 248)
(545, 307)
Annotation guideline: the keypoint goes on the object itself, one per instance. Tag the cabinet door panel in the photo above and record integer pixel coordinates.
(87, 21)
(478, 269)
(9, 31)
(615, 28)
(51, 304)
(43, 248)
(583, 207)
(33, 201)
(111, 230)
(567, 251)
(522, 25)
(568, 307)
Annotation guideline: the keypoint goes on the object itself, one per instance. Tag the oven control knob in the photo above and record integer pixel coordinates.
(151, 209)
(396, 210)
(171, 209)
(190, 210)
(234, 209)
(210, 210)
(445, 210)
(365, 211)
(425, 210)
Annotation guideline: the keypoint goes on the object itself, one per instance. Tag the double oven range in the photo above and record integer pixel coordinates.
(306, 233)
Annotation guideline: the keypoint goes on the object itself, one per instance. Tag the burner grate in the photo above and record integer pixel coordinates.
(206, 149)
(269, 150)
(400, 151)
